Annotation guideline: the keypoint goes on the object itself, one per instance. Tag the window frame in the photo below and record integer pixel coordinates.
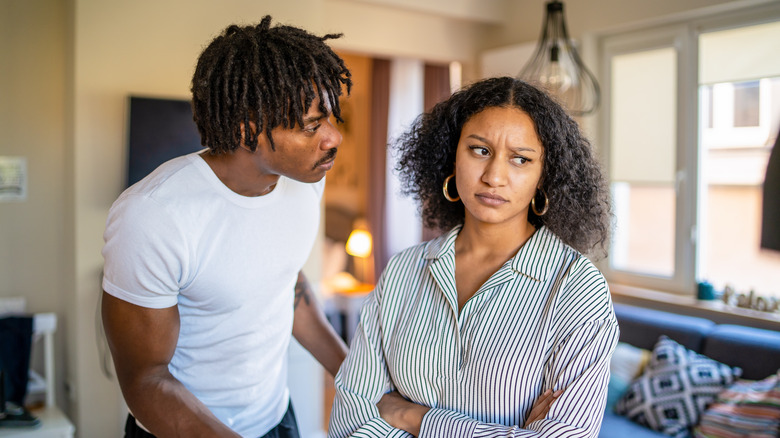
(682, 34)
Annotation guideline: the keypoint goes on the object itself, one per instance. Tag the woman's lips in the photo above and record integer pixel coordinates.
(491, 199)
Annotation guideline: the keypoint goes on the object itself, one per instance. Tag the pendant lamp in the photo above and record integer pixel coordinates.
(557, 67)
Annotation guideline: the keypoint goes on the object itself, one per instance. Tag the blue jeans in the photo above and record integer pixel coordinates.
(287, 428)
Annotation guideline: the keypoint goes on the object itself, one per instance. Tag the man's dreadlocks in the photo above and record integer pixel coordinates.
(263, 77)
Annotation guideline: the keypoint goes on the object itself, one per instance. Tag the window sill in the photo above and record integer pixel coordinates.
(714, 310)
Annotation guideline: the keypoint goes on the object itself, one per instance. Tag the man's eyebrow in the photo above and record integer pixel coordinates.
(313, 118)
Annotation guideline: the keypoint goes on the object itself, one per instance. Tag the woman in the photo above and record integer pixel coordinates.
(469, 329)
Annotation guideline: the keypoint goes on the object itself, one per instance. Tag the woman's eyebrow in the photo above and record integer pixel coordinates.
(517, 149)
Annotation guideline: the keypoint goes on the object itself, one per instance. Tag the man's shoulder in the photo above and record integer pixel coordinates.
(171, 173)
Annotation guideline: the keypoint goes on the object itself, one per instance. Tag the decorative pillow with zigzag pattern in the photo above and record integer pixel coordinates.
(674, 389)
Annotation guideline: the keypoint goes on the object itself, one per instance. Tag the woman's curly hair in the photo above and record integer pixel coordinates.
(266, 76)
(579, 206)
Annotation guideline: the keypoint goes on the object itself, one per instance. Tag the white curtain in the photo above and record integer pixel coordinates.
(402, 219)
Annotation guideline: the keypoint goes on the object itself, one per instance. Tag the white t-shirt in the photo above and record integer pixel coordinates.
(230, 263)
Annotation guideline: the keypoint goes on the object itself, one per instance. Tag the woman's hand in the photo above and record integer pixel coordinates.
(405, 415)
(401, 413)
(542, 406)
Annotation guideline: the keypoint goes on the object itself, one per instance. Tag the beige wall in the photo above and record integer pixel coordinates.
(34, 233)
(585, 16)
(66, 69)
(32, 125)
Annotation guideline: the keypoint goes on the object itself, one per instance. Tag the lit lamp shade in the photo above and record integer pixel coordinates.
(359, 243)
(770, 229)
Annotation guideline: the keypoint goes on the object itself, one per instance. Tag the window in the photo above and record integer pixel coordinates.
(743, 103)
(690, 114)
(642, 164)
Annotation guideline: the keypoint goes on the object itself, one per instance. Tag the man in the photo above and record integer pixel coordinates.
(202, 283)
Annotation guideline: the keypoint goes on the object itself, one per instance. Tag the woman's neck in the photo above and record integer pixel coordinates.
(492, 241)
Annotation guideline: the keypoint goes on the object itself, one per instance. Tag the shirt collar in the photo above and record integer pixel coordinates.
(534, 259)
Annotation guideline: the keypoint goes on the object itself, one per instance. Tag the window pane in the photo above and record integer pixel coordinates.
(746, 103)
(642, 161)
(734, 151)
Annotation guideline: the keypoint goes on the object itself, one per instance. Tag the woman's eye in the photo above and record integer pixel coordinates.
(479, 150)
(520, 160)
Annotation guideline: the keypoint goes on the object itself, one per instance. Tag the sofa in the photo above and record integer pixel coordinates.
(755, 351)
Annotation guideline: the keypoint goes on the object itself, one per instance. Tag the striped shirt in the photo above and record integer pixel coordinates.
(543, 321)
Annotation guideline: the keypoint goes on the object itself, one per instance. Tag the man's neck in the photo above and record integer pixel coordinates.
(240, 174)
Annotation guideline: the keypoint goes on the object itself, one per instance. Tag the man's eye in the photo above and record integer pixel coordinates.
(312, 129)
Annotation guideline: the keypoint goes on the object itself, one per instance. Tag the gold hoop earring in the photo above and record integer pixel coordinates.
(546, 204)
(447, 192)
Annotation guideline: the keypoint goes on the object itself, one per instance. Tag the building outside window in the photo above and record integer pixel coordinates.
(691, 112)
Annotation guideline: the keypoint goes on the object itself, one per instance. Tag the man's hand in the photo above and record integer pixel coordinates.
(313, 331)
(401, 413)
(542, 406)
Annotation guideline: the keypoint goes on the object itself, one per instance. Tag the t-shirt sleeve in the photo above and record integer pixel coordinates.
(144, 253)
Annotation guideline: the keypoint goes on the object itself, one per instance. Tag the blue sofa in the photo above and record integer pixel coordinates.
(754, 350)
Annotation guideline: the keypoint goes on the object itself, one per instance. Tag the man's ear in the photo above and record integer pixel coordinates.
(253, 132)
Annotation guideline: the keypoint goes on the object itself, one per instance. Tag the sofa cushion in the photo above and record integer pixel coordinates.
(641, 327)
(626, 364)
(675, 388)
(615, 426)
(756, 351)
(747, 408)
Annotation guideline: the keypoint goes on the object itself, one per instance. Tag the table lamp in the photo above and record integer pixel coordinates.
(359, 245)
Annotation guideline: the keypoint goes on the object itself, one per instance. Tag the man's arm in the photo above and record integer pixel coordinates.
(142, 342)
(313, 331)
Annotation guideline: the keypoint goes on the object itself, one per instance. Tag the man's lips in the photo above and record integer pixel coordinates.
(327, 160)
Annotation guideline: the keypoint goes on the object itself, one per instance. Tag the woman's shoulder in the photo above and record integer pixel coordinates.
(411, 256)
(584, 282)
(430, 249)
(410, 263)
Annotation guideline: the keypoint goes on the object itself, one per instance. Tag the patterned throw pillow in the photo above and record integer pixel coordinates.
(745, 409)
(626, 365)
(675, 388)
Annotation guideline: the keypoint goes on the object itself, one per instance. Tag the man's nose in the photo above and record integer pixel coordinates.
(332, 137)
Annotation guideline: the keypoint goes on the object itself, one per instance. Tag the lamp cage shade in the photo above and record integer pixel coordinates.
(557, 67)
